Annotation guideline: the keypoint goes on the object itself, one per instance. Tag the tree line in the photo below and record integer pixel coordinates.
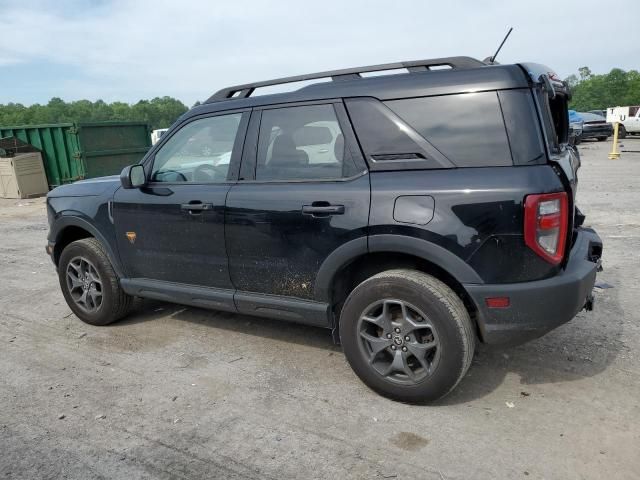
(598, 92)
(159, 112)
(590, 92)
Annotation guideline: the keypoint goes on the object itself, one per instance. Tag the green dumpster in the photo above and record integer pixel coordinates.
(73, 151)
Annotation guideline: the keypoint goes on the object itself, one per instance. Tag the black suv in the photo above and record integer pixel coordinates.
(412, 214)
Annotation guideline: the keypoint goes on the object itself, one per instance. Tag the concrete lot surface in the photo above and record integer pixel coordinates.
(175, 392)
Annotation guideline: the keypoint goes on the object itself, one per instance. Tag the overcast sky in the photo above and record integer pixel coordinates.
(128, 50)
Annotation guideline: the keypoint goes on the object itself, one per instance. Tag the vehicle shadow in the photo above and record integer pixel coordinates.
(585, 347)
(280, 330)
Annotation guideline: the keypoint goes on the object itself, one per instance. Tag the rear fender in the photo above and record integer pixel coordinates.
(435, 254)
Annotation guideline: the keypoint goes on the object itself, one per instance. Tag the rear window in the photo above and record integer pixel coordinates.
(467, 128)
(555, 118)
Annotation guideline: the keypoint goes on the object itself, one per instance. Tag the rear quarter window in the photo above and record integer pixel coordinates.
(467, 128)
(523, 127)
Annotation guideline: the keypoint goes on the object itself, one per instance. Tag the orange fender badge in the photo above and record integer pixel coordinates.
(131, 236)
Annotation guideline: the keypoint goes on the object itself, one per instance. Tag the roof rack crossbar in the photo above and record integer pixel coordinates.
(247, 89)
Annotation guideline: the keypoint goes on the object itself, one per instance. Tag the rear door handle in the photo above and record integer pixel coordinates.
(322, 209)
(193, 207)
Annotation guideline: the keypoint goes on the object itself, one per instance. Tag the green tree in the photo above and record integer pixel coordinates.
(585, 73)
(616, 88)
(572, 80)
(159, 112)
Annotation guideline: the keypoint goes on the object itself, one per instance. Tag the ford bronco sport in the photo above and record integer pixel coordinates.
(413, 214)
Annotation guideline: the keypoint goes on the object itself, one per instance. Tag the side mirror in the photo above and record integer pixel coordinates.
(133, 177)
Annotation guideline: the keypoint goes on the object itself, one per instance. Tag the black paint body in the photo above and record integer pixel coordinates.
(256, 251)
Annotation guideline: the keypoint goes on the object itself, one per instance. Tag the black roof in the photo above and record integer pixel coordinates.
(464, 75)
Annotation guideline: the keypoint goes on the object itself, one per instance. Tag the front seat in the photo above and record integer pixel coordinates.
(285, 154)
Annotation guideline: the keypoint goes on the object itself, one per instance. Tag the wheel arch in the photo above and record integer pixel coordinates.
(357, 260)
(68, 229)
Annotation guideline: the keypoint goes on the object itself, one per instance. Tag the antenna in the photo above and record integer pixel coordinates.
(493, 58)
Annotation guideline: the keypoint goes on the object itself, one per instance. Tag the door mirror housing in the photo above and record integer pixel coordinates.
(133, 177)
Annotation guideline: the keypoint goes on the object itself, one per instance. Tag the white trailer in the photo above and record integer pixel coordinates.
(157, 134)
(629, 118)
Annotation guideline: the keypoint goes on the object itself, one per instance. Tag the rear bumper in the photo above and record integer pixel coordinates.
(537, 307)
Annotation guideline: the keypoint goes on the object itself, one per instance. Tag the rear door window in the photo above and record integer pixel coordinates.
(302, 143)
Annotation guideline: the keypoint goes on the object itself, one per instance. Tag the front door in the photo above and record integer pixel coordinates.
(172, 230)
(305, 192)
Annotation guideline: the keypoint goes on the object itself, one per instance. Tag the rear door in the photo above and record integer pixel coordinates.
(304, 191)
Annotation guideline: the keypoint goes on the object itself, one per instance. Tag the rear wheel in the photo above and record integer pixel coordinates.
(622, 132)
(90, 285)
(407, 335)
(602, 139)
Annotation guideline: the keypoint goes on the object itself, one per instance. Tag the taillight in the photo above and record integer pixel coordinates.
(545, 225)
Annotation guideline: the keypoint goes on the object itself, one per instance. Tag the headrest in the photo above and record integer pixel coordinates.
(285, 153)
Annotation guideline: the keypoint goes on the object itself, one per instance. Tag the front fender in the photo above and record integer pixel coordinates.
(74, 219)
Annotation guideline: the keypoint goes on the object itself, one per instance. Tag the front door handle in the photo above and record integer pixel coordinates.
(322, 209)
(196, 207)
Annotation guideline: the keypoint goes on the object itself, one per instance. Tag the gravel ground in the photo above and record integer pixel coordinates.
(176, 392)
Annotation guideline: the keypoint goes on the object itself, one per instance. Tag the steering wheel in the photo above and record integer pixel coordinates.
(205, 173)
(180, 175)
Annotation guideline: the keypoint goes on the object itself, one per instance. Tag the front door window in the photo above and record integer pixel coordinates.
(199, 152)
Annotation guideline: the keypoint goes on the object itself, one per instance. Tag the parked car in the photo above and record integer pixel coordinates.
(575, 127)
(628, 117)
(405, 214)
(595, 126)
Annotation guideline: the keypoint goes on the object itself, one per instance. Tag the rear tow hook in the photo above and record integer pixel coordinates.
(588, 305)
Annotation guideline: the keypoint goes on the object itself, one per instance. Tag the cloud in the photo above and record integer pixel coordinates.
(117, 49)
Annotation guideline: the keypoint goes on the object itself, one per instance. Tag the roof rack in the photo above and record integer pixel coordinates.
(245, 90)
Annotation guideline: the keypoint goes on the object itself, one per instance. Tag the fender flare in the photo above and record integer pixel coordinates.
(65, 221)
(344, 254)
(435, 254)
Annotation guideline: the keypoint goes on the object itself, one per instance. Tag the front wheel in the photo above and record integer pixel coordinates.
(407, 335)
(90, 285)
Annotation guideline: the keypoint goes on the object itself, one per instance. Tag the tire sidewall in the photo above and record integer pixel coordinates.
(104, 313)
(452, 360)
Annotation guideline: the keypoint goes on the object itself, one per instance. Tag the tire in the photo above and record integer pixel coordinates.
(601, 139)
(84, 271)
(622, 132)
(445, 333)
